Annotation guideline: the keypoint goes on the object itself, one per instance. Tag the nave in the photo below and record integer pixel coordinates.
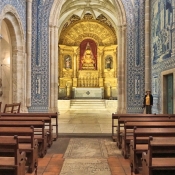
(84, 146)
(83, 156)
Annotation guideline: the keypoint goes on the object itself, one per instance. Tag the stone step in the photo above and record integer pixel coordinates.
(87, 104)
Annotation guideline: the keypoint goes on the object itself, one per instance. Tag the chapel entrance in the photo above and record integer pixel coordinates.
(88, 59)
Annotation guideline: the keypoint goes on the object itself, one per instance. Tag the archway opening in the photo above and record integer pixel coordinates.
(88, 58)
(6, 54)
(12, 59)
(61, 14)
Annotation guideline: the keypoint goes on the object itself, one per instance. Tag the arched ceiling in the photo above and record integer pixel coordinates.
(88, 28)
(102, 11)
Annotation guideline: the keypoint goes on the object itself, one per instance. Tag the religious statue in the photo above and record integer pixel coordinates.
(68, 62)
(87, 61)
(108, 63)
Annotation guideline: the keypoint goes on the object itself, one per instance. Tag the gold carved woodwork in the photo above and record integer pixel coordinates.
(93, 29)
(109, 74)
(70, 39)
(67, 74)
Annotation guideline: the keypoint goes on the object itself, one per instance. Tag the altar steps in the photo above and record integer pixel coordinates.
(87, 104)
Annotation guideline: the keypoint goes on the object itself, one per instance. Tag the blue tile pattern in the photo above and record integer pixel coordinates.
(40, 55)
(20, 6)
(135, 55)
(161, 46)
(40, 52)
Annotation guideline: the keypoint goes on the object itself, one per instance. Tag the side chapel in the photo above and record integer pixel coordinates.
(88, 58)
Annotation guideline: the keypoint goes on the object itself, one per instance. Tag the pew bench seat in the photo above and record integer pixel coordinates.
(15, 163)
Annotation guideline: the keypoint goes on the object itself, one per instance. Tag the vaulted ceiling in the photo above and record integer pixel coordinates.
(96, 8)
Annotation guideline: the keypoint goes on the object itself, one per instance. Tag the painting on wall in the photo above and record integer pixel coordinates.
(162, 17)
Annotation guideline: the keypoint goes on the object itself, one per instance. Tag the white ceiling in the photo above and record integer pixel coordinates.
(95, 7)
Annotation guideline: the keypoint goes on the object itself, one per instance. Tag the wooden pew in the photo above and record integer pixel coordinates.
(16, 107)
(146, 117)
(31, 148)
(54, 116)
(12, 108)
(8, 108)
(137, 149)
(116, 116)
(41, 137)
(47, 120)
(15, 163)
(127, 137)
(160, 155)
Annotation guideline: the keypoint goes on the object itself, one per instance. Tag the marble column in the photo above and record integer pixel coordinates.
(28, 51)
(121, 69)
(147, 46)
(53, 68)
(173, 29)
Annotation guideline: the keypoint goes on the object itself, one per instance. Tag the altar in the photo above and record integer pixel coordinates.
(89, 93)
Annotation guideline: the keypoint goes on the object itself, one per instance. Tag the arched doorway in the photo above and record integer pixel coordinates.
(12, 47)
(88, 59)
(57, 21)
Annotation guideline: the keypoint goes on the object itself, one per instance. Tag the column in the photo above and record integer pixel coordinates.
(100, 66)
(121, 69)
(28, 51)
(173, 29)
(75, 83)
(147, 46)
(53, 73)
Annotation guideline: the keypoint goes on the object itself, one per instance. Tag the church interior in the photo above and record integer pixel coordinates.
(87, 87)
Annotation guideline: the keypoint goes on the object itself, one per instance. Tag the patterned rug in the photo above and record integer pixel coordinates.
(84, 148)
(85, 167)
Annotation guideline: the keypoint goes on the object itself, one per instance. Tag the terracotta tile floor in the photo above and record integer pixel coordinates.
(51, 164)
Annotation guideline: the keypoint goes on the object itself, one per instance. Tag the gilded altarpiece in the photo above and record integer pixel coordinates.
(88, 62)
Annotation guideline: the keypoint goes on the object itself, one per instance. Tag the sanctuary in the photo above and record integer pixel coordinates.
(88, 59)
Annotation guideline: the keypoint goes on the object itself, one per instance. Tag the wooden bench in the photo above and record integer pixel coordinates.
(47, 120)
(137, 149)
(116, 116)
(31, 147)
(16, 107)
(15, 163)
(12, 108)
(41, 136)
(160, 155)
(128, 136)
(53, 116)
(8, 108)
(147, 117)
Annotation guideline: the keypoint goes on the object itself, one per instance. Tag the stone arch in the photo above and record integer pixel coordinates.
(122, 49)
(10, 16)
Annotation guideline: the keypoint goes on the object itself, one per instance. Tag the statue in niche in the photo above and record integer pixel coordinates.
(88, 61)
(108, 62)
(68, 61)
